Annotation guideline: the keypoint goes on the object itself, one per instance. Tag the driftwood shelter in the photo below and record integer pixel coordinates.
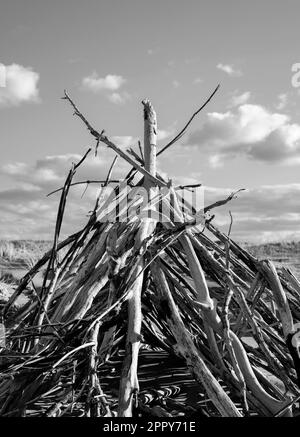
(150, 315)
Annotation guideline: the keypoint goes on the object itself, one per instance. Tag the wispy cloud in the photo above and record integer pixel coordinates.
(20, 85)
(282, 101)
(230, 70)
(119, 98)
(162, 134)
(26, 212)
(153, 51)
(96, 84)
(197, 81)
(239, 99)
(265, 213)
(175, 83)
(261, 214)
(125, 141)
(189, 61)
(109, 85)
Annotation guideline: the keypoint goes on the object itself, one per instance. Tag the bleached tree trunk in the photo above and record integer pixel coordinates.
(129, 385)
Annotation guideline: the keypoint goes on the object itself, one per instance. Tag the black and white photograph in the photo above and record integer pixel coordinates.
(149, 212)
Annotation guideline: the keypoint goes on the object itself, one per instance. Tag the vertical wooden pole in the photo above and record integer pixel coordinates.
(150, 137)
(129, 385)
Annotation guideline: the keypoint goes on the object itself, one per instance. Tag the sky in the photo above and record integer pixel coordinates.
(112, 54)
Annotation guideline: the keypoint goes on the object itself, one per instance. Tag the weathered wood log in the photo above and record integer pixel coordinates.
(269, 270)
(187, 349)
(129, 385)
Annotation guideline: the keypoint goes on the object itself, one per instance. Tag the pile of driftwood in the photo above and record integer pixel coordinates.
(144, 312)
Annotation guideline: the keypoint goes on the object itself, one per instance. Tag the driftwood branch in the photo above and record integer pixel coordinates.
(183, 130)
(129, 385)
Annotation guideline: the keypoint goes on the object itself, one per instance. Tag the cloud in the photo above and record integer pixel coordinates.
(119, 98)
(189, 61)
(50, 172)
(46, 172)
(27, 212)
(197, 80)
(238, 100)
(2, 76)
(175, 83)
(262, 214)
(251, 131)
(269, 212)
(116, 98)
(282, 101)
(216, 161)
(230, 70)
(109, 85)
(20, 86)
(162, 134)
(125, 141)
(96, 84)
(153, 51)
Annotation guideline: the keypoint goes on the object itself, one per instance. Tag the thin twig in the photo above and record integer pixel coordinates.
(179, 135)
(112, 181)
(107, 181)
(224, 201)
